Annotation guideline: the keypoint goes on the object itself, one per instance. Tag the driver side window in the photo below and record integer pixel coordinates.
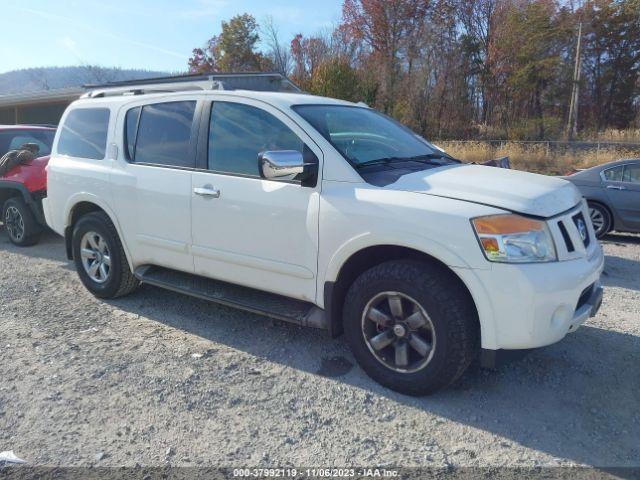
(238, 133)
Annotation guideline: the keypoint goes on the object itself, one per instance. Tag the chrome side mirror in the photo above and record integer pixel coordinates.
(280, 163)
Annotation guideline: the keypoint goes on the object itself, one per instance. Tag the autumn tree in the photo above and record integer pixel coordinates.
(234, 50)
(388, 29)
(336, 78)
(458, 68)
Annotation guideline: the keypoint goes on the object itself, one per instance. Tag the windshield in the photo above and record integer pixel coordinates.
(364, 136)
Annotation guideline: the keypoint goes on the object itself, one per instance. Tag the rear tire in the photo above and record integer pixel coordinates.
(601, 219)
(390, 305)
(99, 257)
(22, 227)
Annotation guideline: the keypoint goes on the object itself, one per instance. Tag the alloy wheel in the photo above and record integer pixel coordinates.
(95, 256)
(398, 332)
(14, 223)
(598, 220)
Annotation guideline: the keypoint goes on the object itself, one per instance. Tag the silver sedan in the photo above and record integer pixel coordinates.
(613, 193)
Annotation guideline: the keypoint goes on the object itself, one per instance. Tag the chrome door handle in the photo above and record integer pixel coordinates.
(615, 187)
(207, 191)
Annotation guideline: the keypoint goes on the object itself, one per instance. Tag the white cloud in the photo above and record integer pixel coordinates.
(204, 8)
(287, 15)
(68, 43)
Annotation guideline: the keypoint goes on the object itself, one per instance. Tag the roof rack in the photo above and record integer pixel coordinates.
(273, 82)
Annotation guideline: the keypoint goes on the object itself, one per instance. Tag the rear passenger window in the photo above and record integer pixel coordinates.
(238, 133)
(631, 174)
(84, 133)
(613, 174)
(162, 135)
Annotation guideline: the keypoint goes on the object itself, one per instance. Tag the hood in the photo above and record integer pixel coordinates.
(39, 162)
(512, 190)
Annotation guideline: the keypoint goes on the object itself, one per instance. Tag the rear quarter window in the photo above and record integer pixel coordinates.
(84, 133)
(613, 174)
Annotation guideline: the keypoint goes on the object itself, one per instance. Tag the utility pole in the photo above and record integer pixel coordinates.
(572, 123)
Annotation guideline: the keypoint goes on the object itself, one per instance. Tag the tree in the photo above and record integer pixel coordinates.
(533, 36)
(336, 78)
(204, 60)
(388, 29)
(234, 50)
(611, 62)
(278, 53)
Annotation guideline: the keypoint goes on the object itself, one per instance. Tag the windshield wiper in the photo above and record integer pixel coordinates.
(426, 158)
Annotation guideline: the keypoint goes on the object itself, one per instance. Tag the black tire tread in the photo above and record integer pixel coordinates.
(127, 282)
(445, 289)
(607, 213)
(32, 228)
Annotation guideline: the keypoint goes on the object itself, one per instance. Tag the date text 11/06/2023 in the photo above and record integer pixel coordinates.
(314, 472)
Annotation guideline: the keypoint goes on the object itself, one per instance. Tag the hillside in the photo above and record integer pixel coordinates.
(49, 78)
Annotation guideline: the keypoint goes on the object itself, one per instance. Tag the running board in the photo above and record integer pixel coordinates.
(244, 298)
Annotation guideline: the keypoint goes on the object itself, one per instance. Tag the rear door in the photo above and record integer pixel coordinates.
(623, 190)
(152, 182)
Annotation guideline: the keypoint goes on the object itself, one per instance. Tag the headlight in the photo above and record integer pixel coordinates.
(514, 239)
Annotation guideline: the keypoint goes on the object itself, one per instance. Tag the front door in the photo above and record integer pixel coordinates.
(245, 229)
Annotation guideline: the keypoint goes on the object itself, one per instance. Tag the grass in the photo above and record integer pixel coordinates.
(543, 157)
(630, 135)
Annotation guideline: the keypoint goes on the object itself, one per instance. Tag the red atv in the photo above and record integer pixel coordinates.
(24, 154)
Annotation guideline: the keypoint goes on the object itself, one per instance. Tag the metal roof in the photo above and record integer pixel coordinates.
(267, 82)
(42, 96)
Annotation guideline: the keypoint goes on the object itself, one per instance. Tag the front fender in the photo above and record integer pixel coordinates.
(407, 240)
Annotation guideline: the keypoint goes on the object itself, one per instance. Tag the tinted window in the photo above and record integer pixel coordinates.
(238, 133)
(131, 129)
(84, 133)
(164, 133)
(631, 174)
(14, 139)
(613, 174)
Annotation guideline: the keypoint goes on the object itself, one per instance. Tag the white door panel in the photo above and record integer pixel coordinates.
(153, 205)
(258, 233)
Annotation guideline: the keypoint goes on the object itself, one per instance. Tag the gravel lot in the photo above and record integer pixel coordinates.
(157, 378)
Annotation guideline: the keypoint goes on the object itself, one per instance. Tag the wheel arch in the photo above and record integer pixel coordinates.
(9, 189)
(335, 290)
(84, 206)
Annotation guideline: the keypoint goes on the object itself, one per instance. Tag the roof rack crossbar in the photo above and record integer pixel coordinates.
(168, 87)
(208, 81)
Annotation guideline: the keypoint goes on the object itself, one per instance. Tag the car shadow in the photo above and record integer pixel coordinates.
(565, 400)
(621, 272)
(621, 239)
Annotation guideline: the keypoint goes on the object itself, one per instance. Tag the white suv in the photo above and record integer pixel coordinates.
(324, 213)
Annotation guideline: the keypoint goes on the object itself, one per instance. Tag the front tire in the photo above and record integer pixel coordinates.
(601, 219)
(412, 326)
(99, 257)
(21, 226)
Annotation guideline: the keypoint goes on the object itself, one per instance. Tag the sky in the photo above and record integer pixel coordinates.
(144, 34)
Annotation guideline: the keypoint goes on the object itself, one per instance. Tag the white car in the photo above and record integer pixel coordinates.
(324, 213)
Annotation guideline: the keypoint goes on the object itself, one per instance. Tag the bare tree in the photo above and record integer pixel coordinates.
(278, 52)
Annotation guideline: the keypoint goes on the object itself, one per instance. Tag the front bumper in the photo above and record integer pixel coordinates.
(533, 305)
(494, 358)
